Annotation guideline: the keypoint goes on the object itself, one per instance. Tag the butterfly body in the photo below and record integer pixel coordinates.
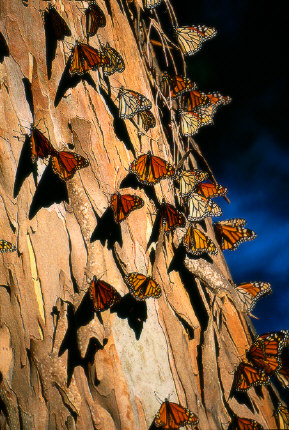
(84, 58)
(6, 246)
(150, 169)
(103, 295)
(196, 242)
(232, 232)
(142, 287)
(95, 19)
(173, 416)
(65, 164)
(123, 205)
(170, 217)
(131, 102)
(191, 38)
(146, 119)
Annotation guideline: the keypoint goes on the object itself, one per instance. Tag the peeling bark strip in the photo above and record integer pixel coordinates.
(63, 364)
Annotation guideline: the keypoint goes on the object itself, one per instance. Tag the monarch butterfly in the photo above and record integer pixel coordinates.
(150, 169)
(6, 246)
(65, 164)
(282, 417)
(250, 292)
(56, 23)
(191, 38)
(174, 86)
(95, 19)
(142, 287)
(84, 58)
(209, 190)
(200, 207)
(4, 50)
(123, 205)
(217, 99)
(190, 122)
(195, 98)
(170, 217)
(151, 4)
(205, 114)
(188, 180)
(173, 416)
(103, 295)
(238, 423)
(40, 145)
(146, 119)
(247, 376)
(232, 232)
(116, 63)
(283, 373)
(197, 243)
(266, 350)
(131, 102)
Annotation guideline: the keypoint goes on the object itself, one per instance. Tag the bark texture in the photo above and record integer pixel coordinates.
(61, 367)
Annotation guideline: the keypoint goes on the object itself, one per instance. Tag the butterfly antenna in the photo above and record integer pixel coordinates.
(158, 397)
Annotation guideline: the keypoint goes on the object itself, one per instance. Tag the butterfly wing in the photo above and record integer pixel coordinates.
(209, 190)
(194, 99)
(189, 179)
(151, 4)
(6, 246)
(65, 164)
(244, 424)
(191, 38)
(247, 376)
(57, 24)
(250, 292)
(131, 102)
(231, 233)
(40, 145)
(146, 119)
(123, 205)
(198, 207)
(170, 217)
(189, 123)
(173, 416)
(85, 58)
(282, 417)
(205, 114)
(197, 243)
(103, 295)
(142, 287)
(214, 209)
(95, 19)
(150, 169)
(175, 86)
(116, 63)
(217, 99)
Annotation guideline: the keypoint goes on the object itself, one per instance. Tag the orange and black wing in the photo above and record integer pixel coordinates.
(188, 180)
(209, 190)
(247, 376)
(84, 58)
(65, 164)
(175, 86)
(6, 246)
(196, 242)
(173, 416)
(40, 145)
(56, 24)
(217, 99)
(150, 169)
(250, 292)
(142, 287)
(191, 38)
(282, 416)
(231, 233)
(170, 217)
(132, 102)
(4, 50)
(116, 63)
(123, 205)
(95, 19)
(103, 295)
(194, 99)
(238, 423)
(146, 119)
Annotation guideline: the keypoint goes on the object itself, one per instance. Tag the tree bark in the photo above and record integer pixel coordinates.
(60, 365)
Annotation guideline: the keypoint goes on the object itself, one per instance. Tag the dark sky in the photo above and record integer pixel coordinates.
(248, 147)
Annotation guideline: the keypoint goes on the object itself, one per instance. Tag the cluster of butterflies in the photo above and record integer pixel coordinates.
(267, 355)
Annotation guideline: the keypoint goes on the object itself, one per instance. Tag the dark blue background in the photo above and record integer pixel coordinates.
(247, 147)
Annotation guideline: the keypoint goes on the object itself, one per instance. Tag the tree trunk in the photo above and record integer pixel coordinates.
(61, 365)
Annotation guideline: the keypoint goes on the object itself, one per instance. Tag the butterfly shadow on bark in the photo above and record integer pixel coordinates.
(135, 311)
(242, 398)
(107, 230)
(119, 125)
(25, 167)
(51, 189)
(68, 81)
(130, 181)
